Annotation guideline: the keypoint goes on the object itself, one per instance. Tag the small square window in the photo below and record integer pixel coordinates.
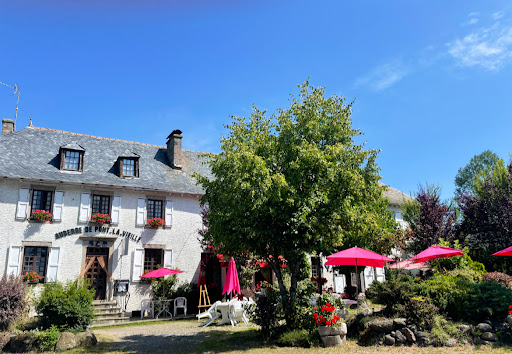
(152, 258)
(72, 160)
(155, 209)
(101, 204)
(129, 167)
(41, 200)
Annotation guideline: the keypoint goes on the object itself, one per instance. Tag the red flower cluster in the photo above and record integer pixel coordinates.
(156, 222)
(100, 218)
(510, 309)
(41, 215)
(326, 316)
(32, 276)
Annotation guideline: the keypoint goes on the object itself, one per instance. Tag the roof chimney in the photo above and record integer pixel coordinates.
(174, 149)
(7, 126)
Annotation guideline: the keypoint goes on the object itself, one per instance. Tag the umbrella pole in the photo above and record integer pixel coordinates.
(357, 282)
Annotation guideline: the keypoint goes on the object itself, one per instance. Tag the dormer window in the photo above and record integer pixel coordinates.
(128, 164)
(72, 157)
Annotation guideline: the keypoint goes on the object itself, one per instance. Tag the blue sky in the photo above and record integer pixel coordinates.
(431, 79)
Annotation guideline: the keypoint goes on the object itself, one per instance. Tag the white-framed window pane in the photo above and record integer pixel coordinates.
(72, 160)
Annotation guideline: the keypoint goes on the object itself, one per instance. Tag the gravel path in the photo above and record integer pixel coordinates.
(172, 336)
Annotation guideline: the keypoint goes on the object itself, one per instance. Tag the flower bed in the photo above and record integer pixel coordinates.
(100, 218)
(32, 277)
(41, 215)
(156, 222)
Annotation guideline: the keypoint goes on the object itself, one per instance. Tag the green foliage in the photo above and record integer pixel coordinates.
(442, 330)
(295, 183)
(419, 310)
(66, 306)
(265, 315)
(488, 301)
(295, 338)
(164, 287)
(479, 167)
(463, 262)
(48, 339)
(397, 289)
(13, 300)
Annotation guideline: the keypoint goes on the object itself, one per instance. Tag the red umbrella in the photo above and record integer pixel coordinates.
(505, 252)
(408, 264)
(161, 272)
(434, 252)
(358, 256)
(232, 283)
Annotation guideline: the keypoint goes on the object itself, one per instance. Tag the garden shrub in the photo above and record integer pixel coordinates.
(457, 262)
(396, 290)
(420, 311)
(469, 275)
(13, 300)
(66, 306)
(48, 339)
(295, 338)
(502, 279)
(443, 330)
(265, 315)
(487, 301)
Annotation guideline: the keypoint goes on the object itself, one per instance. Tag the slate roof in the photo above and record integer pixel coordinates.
(33, 153)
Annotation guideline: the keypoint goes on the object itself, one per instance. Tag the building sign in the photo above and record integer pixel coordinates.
(95, 230)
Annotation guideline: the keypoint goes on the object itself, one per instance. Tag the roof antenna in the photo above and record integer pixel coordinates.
(16, 91)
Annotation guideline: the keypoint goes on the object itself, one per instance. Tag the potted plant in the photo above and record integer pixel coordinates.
(41, 215)
(100, 218)
(156, 222)
(332, 331)
(32, 277)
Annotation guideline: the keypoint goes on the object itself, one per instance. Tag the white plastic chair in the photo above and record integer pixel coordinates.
(238, 310)
(212, 314)
(180, 303)
(147, 305)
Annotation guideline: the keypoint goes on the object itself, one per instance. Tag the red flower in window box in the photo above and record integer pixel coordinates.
(156, 222)
(32, 277)
(100, 218)
(41, 215)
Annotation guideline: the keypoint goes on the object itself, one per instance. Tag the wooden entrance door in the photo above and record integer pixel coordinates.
(95, 275)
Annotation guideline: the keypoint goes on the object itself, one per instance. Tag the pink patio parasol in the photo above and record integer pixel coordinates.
(358, 257)
(161, 272)
(435, 252)
(505, 252)
(232, 283)
(408, 265)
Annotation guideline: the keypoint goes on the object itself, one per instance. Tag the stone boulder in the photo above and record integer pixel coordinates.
(22, 343)
(466, 329)
(67, 340)
(5, 337)
(389, 340)
(489, 337)
(484, 327)
(509, 320)
(400, 323)
(384, 326)
(411, 338)
(87, 339)
(400, 338)
(450, 342)
(422, 338)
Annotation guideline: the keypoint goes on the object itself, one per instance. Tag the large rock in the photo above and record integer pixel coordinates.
(411, 338)
(422, 338)
(389, 340)
(22, 343)
(400, 338)
(67, 340)
(466, 329)
(5, 337)
(484, 327)
(400, 323)
(385, 326)
(86, 339)
(489, 336)
(451, 342)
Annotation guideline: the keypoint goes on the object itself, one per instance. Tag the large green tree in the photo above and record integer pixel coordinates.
(478, 168)
(295, 183)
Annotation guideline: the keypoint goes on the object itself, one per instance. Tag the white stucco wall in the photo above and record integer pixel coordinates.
(181, 237)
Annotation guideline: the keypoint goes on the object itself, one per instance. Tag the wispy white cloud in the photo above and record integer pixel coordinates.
(473, 19)
(497, 15)
(489, 48)
(384, 76)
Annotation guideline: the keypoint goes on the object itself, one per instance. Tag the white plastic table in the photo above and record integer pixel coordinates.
(165, 307)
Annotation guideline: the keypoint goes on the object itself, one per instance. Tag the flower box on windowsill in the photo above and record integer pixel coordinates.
(41, 216)
(100, 219)
(155, 223)
(32, 277)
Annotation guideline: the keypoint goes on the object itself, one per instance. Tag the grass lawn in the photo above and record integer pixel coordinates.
(186, 337)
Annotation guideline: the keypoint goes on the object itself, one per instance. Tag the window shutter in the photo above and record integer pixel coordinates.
(138, 256)
(13, 264)
(381, 275)
(116, 209)
(58, 205)
(141, 212)
(53, 264)
(85, 207)
(168, 212)
(24, 195)
(167, 258)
